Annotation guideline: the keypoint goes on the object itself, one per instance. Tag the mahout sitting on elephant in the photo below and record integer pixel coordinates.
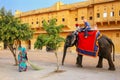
(106, 47)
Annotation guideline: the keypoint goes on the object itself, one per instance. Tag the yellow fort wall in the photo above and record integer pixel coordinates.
(104, 13)
(70, 14)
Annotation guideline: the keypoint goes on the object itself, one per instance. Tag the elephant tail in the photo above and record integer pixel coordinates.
(113, 51)
(110, 41)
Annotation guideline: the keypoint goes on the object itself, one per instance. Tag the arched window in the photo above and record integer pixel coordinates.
(105, 14)
(98, 15)
(37, 22)
(76, 19)
(63, 19)
(111, 13)
(90, 17)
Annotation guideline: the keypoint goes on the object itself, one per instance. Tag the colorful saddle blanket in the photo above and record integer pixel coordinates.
(88, 46)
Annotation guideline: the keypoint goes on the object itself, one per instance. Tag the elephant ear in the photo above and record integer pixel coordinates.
(70, 40)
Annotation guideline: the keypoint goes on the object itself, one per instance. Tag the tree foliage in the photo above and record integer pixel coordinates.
(11, 29)
(52, 39)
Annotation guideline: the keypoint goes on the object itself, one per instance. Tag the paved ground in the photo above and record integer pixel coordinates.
(47, 61)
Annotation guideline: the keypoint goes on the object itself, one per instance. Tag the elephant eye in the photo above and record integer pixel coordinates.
(67, 40)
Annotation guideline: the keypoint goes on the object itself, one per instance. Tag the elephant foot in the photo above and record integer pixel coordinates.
(99, 66)
(111, 68)
(78, 65)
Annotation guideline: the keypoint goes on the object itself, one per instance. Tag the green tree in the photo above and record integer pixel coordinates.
(12, 30)
(52, 39)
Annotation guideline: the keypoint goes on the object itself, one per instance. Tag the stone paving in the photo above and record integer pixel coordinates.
(47, 61)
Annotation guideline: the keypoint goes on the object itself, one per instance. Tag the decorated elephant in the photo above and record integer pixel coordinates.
(106, 47)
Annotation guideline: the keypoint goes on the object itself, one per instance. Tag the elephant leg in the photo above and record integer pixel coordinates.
(111, 65)
(100, 64)
(79, 60)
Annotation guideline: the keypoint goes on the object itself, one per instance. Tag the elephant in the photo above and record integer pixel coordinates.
(106, 46)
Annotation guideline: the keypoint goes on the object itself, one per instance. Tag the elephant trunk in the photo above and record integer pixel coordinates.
(64, 54)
